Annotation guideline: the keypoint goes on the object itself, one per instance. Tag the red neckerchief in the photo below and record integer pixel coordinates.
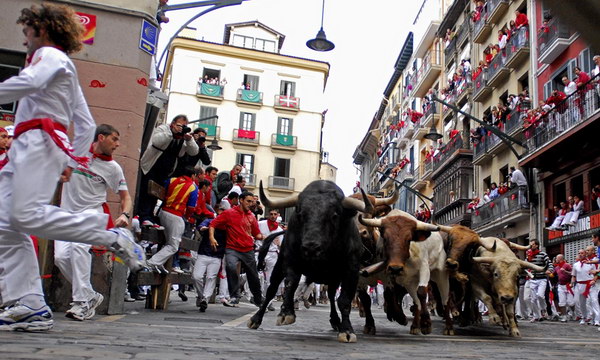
(531, 254)
(232, 175)
(273, 225)
(100, 156)
(2, 151)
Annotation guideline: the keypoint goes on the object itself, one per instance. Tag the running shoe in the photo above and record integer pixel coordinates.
(128, 252)
(22, 317)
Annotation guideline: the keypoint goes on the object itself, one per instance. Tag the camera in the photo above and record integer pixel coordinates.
(186, 129)
(202, 139)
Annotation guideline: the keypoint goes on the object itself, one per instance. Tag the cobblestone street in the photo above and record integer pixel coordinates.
(221, 333)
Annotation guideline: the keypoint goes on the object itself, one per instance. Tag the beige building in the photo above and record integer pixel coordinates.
(264, 108)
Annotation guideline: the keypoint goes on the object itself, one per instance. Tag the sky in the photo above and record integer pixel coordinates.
(368, 37)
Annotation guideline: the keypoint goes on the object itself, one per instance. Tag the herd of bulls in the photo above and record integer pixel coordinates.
(353, 242)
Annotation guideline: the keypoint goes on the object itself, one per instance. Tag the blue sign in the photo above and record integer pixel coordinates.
(148, 37)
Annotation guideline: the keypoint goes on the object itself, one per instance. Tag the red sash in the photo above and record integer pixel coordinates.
(48, 126)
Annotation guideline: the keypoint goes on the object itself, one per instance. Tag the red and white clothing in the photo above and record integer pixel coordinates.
(267, 227)
(47, 88)
(86, 191)
(565, 292)
(581, 273)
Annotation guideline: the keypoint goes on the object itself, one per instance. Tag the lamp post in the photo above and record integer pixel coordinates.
(505, 138)
(320, 42)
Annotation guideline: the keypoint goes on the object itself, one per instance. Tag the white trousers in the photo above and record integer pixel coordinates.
(581, 301)
(592, 304)
(209, 266)
(75, 263)
(27, 184)
(174, 228)
(223, 287)
(270, 261)
(537, 296)
(522, 306)
(565, 298)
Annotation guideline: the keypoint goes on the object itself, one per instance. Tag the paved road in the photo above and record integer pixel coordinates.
(221, 333)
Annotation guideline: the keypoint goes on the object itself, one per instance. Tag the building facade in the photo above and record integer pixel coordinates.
(264, 109)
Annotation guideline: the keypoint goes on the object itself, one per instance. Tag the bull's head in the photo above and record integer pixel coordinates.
(505, 271)
(380, 206)
(461, 238)
(399, 229)
(321, 214)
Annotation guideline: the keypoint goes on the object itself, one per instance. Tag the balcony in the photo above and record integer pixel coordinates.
(428, 72)
(209, 92)
(517, 49)
(510, 207)
(453, 213)
(481, 28)
(250, 180)
(553, 41)
(432, 114)
(449, 97)
(514, 120)
(249, 97)
(481, 88)
(280, 183)
(463, 32)
(427, 169)
(586, 225)
(463, 88)
(408, 128)
(497, 71)
(450, 50)
(446, 152)
(482, 149)
(570, 124)
(287, 103)
(496, 10)
(284, 142)
(246, 137)
(420, 130)
(419, 182)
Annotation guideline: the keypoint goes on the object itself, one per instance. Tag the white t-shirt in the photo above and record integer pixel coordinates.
(581, 271)
(87, 187)
(264, 230)
(571, 88)
(236, 189)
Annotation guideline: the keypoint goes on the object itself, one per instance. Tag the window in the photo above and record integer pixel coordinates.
(243, 41)
(524, 82)
(503, 173)
(208, 111)
(10, 64)
(284, 126)
(246, 160)
(264, 45)
(211, 74)
(288, 88)
(247, 121)
(251, 81)
(585, 61)
(560, 194)
(282, 167)
(487, 183)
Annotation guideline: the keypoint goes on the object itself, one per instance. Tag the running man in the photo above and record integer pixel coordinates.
(50, 98)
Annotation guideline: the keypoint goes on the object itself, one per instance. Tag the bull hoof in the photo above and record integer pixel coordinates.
(415, 330)
(335, 324)
(361, 312)
(426, 330)
(495, 320)
(449, 332)
(369, 330)
(347, 337)
(253, 324)
(462, 277)
(514, 333)
(455, 313)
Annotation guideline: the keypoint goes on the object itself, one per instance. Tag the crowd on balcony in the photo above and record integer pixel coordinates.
(212, 81)
(515, 180)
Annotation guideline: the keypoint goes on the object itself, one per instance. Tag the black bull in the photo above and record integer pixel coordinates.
(322, 243)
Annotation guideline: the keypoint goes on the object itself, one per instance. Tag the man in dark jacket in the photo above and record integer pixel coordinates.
(199, 136)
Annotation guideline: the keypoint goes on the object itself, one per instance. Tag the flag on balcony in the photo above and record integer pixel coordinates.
(288, 101)
(251, 96)
(210, 89)
(247, 134)
(285, 140)
(211, 130)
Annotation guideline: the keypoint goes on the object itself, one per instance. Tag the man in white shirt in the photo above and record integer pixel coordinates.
(238, 186)
(517, 177)
(86, 191)
(267, 227)
(570, 86)
(581, 280)
(50, 98)
(231, 200)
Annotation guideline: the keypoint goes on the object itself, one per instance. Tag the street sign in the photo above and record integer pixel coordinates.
(148, 37)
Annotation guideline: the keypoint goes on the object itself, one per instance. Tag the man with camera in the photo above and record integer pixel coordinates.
(199, 136)
(167, 145)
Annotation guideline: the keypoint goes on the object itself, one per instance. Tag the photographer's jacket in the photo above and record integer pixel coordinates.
(164, 149)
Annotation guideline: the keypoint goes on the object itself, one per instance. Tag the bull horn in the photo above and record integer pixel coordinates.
(445, 228)
(483, 259)
(354, 204)
(528, 265)
(287, 202)
(389, 200)
(372, 269)
(370, 222)
(512, 245)
(488, 243)
(427, 227)
(368, 205)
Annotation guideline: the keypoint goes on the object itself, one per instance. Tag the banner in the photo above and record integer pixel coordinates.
(89, 22)
(211, 130)
(285, 140)
(251, 96)
(210, 89)
(246, 134)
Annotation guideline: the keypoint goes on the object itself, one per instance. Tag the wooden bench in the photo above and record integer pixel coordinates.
(158, 298)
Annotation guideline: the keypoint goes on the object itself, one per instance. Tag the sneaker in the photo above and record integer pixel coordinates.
(182, 296)
(582, 322)
(534, 320)
(563, 318)
(306, 303)
(127, 250)
(94, 302)
(198, 301)
(78, 310)
(128, 298)
(233, 302)
(177, 270)
(597, 324)
(204, 305)
(149, 223)
(22, 317)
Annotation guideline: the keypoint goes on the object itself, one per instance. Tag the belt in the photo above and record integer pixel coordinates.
(49, 126)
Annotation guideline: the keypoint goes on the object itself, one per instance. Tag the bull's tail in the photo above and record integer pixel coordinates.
(262, 253)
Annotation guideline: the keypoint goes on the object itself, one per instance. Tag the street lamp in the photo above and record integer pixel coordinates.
(433, 135)
(320, 42)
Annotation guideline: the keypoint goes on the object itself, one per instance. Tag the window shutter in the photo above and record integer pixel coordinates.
(282, 87)
(253, 122)
(279, 121)
(585, 61)
(293, 89)
(547, 89)
(572, 64)
(241, 121)
(290, 126)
